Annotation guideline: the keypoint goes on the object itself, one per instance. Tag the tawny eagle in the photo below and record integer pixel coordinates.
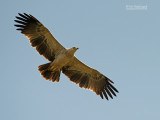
(62, 59)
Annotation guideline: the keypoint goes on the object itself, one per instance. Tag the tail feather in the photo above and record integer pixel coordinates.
(46, 74)
(55, 76)
(43, 67)
(49, 74)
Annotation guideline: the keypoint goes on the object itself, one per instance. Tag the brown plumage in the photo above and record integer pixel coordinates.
(62, 59)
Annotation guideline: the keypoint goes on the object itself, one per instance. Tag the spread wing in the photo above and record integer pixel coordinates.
(89, 78)
(39, 36)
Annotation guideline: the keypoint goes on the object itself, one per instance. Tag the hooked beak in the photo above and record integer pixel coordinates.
(77, 48)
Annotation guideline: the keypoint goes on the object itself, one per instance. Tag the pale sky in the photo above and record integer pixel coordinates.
(122, 44)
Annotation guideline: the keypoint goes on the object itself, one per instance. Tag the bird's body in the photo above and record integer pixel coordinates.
(62, 59)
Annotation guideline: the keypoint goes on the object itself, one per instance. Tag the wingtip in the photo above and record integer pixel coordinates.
(19, 29)
(28, 15)
(110, 81)
(101, 95)
(116, 90)
(19, 14)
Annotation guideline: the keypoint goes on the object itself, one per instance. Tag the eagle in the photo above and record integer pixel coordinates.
(62, 59)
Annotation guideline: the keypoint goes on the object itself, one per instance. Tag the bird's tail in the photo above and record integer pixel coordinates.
(49, 74)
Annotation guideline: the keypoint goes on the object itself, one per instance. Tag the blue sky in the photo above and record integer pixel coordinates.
(122, 44)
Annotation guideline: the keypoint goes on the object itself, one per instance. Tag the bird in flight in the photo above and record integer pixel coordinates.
(62, 59)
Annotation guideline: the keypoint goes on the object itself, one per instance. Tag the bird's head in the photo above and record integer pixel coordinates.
(72, 50)
(75, 48)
